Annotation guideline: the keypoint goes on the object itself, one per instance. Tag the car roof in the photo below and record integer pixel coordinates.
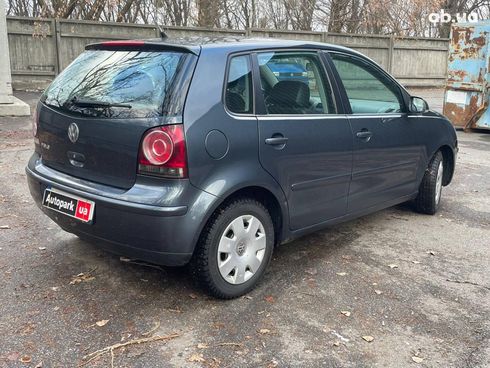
(231, 44)
(245, 43)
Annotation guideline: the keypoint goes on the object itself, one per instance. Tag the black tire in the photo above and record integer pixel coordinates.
(204, 263)
(426, 200)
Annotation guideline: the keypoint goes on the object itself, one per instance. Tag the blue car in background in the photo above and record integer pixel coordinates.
(289, 71)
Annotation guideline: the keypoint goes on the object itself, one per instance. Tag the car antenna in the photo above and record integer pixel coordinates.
(163, 35)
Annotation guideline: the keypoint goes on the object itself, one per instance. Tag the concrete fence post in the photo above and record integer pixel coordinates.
(57, 32)
(391, 50)
(9, 105)
(5, 75)
(54, 38)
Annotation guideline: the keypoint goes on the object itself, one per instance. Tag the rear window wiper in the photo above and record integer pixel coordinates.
(92, 103)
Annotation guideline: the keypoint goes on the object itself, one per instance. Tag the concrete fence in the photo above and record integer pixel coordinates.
(41, 48)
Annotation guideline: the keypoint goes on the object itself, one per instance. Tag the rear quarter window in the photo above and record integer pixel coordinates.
(239, 91)
(139, 80)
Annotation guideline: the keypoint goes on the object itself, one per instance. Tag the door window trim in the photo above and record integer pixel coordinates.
(401, 90)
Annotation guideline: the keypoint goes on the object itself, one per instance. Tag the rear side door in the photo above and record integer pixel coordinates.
(387, 151)
(303, 143)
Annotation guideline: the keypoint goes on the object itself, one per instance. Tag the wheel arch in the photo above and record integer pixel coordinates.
(276, 206)
(449, 163)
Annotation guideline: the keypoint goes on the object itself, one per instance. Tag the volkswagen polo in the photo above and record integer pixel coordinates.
(199, 153)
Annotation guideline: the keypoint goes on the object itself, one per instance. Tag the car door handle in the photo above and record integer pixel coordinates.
(364, 134)
(276, 141)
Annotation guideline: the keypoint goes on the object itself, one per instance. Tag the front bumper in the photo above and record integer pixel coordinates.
(163, 235)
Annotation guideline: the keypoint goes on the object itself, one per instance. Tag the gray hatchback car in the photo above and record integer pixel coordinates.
(205, 154)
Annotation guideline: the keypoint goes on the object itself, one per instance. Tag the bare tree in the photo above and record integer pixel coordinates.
(300, 13)
(460, 6)
(208, 11)
(394, 17)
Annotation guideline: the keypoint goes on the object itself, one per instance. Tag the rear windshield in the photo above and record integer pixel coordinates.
(116, 84)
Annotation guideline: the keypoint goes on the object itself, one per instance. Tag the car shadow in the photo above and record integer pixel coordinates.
(289, 265)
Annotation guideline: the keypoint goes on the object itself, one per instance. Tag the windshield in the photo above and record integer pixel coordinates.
(115, 83)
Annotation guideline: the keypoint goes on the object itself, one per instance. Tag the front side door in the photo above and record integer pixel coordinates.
(386, 149)
(303, 143)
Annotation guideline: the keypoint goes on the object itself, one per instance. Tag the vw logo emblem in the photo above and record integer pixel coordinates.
(73, 132)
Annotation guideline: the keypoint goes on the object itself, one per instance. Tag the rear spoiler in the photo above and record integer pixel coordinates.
(142, 45)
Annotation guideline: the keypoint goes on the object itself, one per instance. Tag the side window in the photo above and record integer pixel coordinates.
(239, 92)
(294, 83)
(368, 90)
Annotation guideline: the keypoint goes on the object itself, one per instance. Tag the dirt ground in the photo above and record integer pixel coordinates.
(417, 285)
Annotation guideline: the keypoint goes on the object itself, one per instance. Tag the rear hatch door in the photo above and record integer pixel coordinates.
(93, 116)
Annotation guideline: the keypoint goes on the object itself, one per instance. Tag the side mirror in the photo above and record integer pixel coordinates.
(418, 105)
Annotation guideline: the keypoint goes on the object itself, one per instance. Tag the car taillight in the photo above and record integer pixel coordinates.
(162, 152)
(157, 147)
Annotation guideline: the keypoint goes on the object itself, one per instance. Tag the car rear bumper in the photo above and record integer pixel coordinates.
(163, 235)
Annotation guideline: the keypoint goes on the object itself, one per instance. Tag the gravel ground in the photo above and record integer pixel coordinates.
(418, 285)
